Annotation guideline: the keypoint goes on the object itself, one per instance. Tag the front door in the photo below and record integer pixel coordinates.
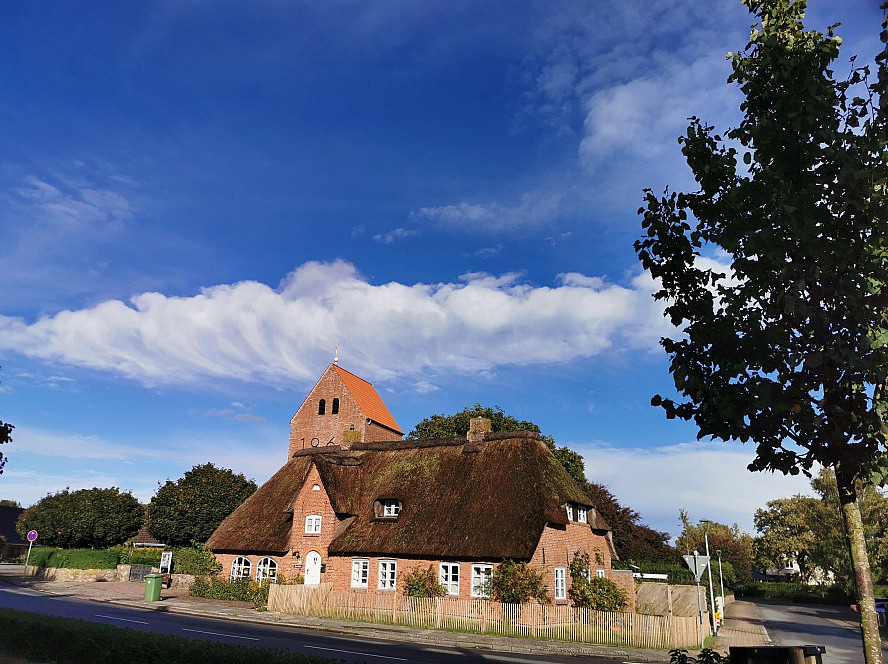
(312, 568)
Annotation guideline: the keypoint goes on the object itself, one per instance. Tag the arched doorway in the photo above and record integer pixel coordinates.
(312, 568)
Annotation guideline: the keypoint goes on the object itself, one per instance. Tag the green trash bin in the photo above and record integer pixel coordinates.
(153, 584)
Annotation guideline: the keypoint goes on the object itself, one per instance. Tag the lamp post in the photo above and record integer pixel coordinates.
(721, 582)
(709, 570)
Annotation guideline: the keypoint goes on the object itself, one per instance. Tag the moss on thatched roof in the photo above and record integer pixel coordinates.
(489, 500)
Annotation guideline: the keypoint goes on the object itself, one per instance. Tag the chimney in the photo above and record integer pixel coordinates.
(478, 427)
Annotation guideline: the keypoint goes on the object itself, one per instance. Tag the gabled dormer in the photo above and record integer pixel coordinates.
(342, 409)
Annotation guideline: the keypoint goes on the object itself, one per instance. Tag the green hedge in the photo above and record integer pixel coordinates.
(73, 558)
(794, 592)
(40, 638)
(128, 555)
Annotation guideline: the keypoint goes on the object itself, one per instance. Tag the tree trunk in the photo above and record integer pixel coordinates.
(863, 580)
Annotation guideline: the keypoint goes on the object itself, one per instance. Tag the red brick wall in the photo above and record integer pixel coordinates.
(309, 429)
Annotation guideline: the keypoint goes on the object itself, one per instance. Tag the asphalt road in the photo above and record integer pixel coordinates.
(801, 624)
(309, 642)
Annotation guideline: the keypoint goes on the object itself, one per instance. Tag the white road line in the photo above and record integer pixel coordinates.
(141, 622)
(228, 636)
(362, 654)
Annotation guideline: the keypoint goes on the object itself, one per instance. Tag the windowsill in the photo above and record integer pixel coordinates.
(311, 534)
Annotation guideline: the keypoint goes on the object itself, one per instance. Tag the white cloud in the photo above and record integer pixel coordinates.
(707, 479)
(531, 210)
(250, 332)
(394, 235)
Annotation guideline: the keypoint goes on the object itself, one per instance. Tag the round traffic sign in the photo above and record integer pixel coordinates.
(32, 535)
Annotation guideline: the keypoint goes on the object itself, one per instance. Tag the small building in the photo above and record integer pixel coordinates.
(358, 508)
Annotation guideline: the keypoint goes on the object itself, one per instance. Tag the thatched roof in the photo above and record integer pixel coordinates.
(489, 500)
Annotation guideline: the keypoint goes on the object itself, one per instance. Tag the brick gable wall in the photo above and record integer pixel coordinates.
(310, 429)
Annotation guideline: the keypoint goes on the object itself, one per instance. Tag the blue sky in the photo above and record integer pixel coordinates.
(200, 200)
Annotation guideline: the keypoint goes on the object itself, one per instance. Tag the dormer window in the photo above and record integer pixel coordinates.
(578, 513)
(387, 508)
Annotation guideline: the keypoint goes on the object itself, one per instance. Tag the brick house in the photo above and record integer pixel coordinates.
(358, 507)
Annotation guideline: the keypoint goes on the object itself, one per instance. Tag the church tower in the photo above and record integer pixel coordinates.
(341, 409)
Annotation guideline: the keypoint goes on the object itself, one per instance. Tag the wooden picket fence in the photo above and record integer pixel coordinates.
(481, 616)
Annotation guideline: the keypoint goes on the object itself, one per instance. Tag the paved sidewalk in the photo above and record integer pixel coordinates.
(741, 626)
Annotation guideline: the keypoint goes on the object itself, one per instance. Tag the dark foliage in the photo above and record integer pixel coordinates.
(93, 518)
(193, 506)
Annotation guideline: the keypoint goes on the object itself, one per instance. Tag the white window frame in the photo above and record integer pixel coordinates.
(313, 524)
(600, 573)
(266, 569)
(240, 568)
(570, 512)
(360, 574)
(582, 514)
(448, 576)
(560, 583)
(388, 575)
(480, 574)
(391, 508)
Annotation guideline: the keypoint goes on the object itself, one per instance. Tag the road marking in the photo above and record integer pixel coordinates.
(443, 651)
(141, 622)
(362, 654)
(228, 636)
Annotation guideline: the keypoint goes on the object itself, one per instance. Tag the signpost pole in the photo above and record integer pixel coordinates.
(32, 535)
(697, 564)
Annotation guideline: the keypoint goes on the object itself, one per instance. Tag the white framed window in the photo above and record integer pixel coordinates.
(266, 569)
(570, 512)
(312, 524)
(448, 576)
(388, 574)
(240, 568)
(582, 514)
(360, 572)
(600, 573)
(481, 575)
(560, 583)
(391, 508)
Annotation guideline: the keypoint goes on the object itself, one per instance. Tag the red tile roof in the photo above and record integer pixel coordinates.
(368, 399)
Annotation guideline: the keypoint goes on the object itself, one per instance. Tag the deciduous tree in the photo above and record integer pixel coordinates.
(89, 518)
(788, 534)
(788, 346)
(734, 544)
(193, 506)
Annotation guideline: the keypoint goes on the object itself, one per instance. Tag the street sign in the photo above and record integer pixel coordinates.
(697, 565)
(32, 535)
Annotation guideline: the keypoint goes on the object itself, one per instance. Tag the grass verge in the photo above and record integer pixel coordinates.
(37, 638)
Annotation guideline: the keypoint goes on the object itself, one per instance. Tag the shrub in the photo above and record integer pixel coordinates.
(596, 593)
(517, 583)
(129, 555)
(423, 583)
(243, 590)
(195, 559)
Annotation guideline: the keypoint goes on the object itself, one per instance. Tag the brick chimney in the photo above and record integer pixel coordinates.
(478, 427)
